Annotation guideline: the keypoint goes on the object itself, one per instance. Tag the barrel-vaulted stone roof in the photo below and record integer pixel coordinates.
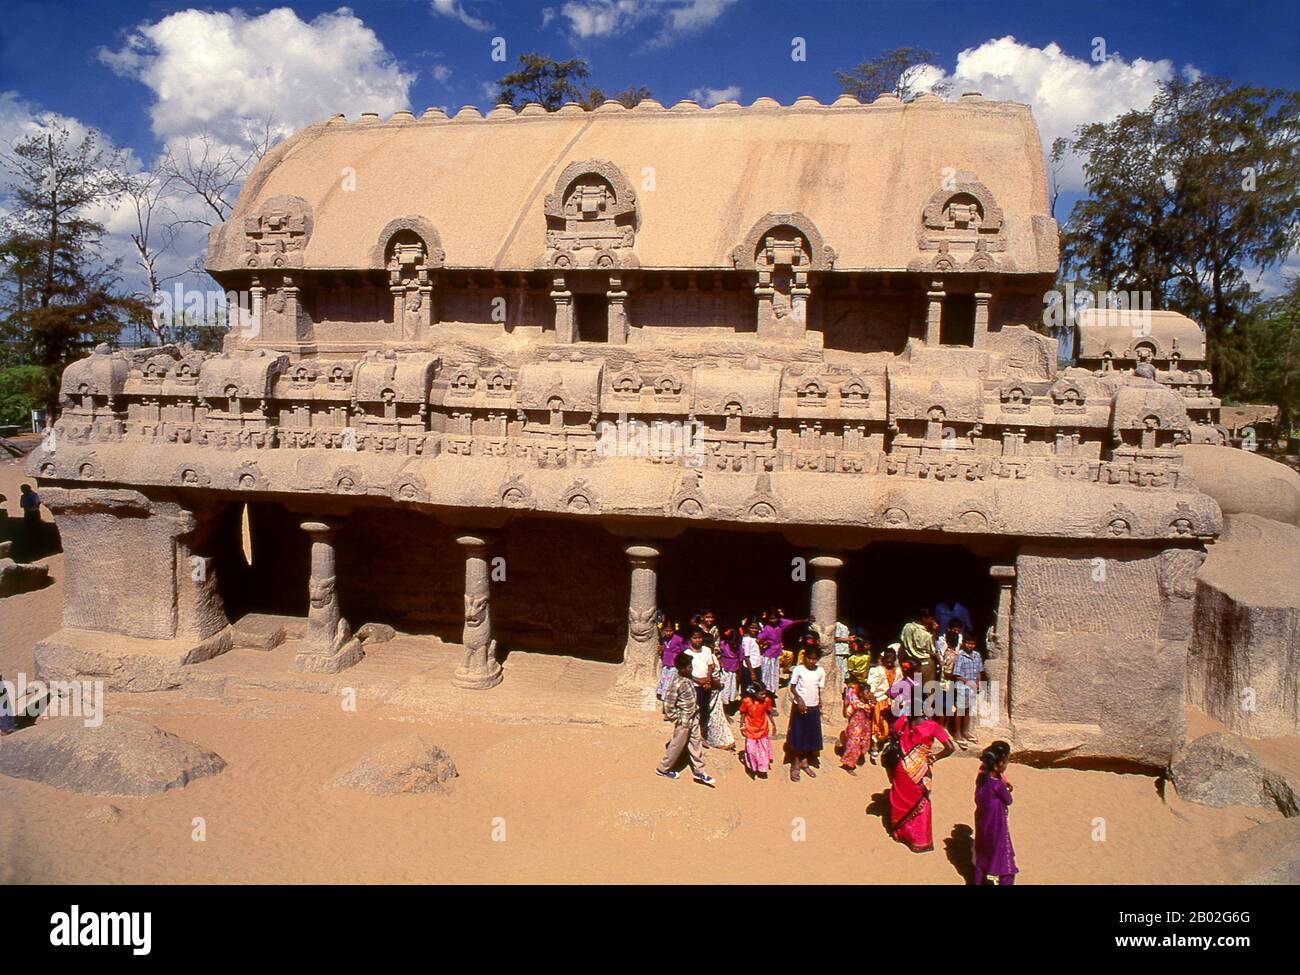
(871, 182)
(1120, 332)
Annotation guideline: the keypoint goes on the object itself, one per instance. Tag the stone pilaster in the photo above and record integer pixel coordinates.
(934, 311)
(328, 644)
(616, 297)
(566, 323)
(480, 668)
(639, 675)
(982, 299)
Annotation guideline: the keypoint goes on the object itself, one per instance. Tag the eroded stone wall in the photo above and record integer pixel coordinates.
(1099, 641)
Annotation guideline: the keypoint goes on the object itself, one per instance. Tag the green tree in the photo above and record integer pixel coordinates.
(544, 80)
(899, 71)
(551, 83)
(629, 97)
(1266, 348)
(60, 296)
(1188, 197)
(22, 389)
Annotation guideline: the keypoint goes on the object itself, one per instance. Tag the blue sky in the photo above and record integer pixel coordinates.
(146, 73)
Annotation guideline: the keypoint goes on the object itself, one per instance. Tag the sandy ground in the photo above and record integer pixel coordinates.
(548, 803)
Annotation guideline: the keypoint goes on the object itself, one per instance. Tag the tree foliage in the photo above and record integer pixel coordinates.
(544, 80)
(1265, 354)
(58, 295)
(551, 83)
(899, 71)
(22, 389)
(1187, 199)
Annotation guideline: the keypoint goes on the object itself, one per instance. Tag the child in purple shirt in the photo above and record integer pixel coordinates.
(773, 632)
(671, 643)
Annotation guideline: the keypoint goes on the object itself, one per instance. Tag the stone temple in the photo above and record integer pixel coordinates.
(522, 380)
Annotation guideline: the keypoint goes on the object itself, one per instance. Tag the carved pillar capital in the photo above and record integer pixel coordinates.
(641, 553)
(826, 565)
(477, 540)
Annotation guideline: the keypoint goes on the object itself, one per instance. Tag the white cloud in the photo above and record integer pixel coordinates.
(19, 119)
(220, 71)
(610, 18)
(456, 10)
(1063, 91)
(440, 72)
(711, 96)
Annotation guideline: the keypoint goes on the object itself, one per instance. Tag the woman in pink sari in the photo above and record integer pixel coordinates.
(909, 792)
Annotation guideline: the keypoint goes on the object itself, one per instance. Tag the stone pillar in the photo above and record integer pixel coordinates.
(615, 298)
(824, 611)
(257, 310)
(640, 672)
(566, 325)
(398, 291)
(765, 293)
(328, 644)
(999, 636)
(982, 299)
(934, 312)
(800, 293)
(292, 309)
(430, 296)
(480, 668)
(200, 610)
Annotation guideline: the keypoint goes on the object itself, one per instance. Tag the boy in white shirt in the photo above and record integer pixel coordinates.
(752, 652)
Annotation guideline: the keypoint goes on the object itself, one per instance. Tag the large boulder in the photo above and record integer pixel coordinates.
(1220, 769)
(1243, 482)
(1243, 666)
(404, 766)
(120, 757)
(16, 577)
(1266, 854)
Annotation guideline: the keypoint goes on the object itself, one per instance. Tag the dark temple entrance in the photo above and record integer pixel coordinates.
(883, 585)
(734, 574)
(880, 587)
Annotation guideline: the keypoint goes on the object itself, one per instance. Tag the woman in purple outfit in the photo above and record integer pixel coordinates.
(994, 855)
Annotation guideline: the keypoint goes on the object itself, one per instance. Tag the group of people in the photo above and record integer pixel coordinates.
(905, 708)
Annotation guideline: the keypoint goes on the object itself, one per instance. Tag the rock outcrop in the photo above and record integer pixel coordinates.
(16, 577)
(121, 757)
(1243, 660)
(1220, 769)
(1244, 482)
(405, 766)
(1268, 853)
